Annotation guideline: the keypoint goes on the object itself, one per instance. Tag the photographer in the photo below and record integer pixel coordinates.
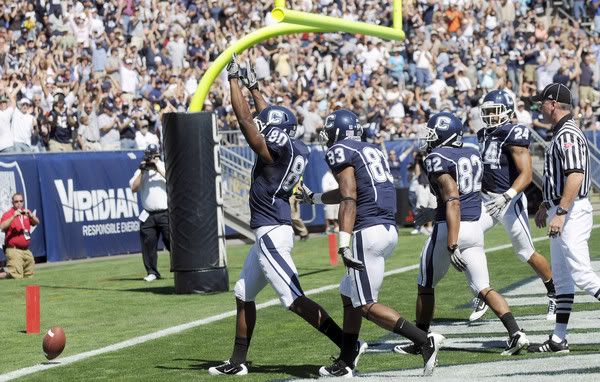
(150, 181)
(16, 223)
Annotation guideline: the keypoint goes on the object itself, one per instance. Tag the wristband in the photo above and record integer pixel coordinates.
(344, 239)
(316, 198)
(511, 193)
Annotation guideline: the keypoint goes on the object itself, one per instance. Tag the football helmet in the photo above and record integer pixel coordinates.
(443, 129)
(339, 125)
(277, 116)
(497, 108)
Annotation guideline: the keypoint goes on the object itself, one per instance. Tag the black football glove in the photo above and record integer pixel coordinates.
(349, 260)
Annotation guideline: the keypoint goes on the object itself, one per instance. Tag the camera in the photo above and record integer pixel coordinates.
(146, 163)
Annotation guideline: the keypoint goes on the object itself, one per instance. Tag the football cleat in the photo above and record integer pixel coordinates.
(515, 343)
(410, 349)
(479, 309)
(337, 369)
(551, 313)
(229, 368)
(550, 346)
(361, 346)
(429, 351)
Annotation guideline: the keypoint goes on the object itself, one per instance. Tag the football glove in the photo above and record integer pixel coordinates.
(249, 80)
(496, 205)
(456, 258)
(233, 68)
(304, 194)
(349, 260)
(424, 215)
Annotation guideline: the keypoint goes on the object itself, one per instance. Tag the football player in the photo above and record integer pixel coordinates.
(507, 171)
(279, 165)
(455, 174)
(367, 237)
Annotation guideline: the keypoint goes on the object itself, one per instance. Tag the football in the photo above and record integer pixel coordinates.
(54, 342)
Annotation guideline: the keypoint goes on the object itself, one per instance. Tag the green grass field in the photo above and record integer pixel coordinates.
(103, 302)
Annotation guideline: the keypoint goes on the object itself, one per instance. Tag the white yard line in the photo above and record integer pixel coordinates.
(180, 328)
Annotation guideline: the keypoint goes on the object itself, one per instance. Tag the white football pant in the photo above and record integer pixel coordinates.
(372, 246)
(270, 261)
(570, 252)
(435, 259)
(515, 219)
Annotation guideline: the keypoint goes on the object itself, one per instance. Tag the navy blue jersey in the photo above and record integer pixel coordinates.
(465, 167)
(376, 195)
(272, 184)
(499, 170)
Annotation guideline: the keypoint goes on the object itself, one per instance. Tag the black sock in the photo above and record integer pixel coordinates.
(510, 323)
(423, 327)
(349, 348)
(410, 331)
(332, 331)
(240, 350)
(550, 287)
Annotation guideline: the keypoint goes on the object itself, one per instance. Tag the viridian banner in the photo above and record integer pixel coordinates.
(88, 209)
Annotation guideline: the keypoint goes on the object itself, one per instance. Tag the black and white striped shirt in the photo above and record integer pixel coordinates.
(567, 153)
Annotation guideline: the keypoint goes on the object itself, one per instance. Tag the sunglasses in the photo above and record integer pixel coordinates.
(18, 201)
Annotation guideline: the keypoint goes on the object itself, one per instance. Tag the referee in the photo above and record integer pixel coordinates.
(566, 209)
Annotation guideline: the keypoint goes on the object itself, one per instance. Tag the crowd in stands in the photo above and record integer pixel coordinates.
(97, 75)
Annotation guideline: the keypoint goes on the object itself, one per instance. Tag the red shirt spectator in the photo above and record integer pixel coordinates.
(18, 232)
(16, 223)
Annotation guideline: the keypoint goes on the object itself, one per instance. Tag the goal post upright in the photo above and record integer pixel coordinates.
(291, 22)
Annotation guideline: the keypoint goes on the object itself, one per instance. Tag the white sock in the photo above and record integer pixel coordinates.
(560, 332)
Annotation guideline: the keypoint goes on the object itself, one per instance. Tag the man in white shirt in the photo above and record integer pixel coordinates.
(129, 77)
(149, 180)
(143, 137)
(107, 123)
(22, 125)
(6, 137)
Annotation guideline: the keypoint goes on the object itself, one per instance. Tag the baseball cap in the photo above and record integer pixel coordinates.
(3, 99)
(152, 149)
(554, 92)
(25, 100)
(109, 105)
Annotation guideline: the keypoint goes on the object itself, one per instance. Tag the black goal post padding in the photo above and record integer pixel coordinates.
(198, 257)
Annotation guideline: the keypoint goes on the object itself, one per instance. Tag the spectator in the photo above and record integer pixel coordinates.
(22, 125)
(127, 128)
(62, 125)
(107, 124)
(6, 136)
(16, 223)
(523, 116)
(143, 137)
(88, 134)
(586, 80)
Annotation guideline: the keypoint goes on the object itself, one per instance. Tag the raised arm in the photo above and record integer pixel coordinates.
(255, 139)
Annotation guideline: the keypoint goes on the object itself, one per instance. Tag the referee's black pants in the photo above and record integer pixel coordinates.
(156, 223)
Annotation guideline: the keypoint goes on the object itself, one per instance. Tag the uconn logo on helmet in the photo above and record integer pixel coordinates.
(276, 117)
